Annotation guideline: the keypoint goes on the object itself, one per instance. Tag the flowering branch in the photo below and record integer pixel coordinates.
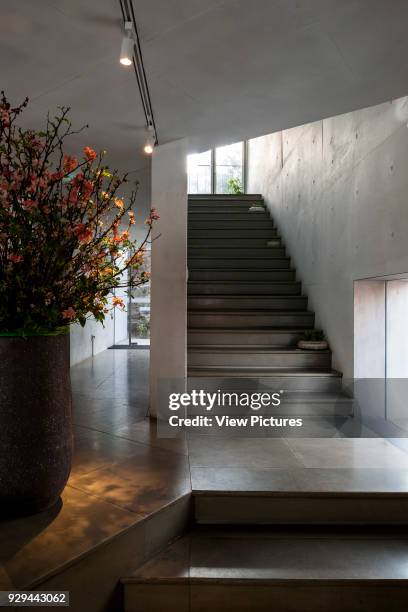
(65, 234)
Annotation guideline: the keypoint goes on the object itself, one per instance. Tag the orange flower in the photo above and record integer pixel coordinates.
(69, 164)
(118, 301)
(89, 153)
(119, 203)
(69, 313)
(83, 233)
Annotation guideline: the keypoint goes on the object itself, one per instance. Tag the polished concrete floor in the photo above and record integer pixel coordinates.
(123, 472)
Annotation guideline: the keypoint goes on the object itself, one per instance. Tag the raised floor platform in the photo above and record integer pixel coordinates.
(131, 492)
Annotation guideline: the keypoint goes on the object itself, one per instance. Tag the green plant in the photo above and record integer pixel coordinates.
(65, 234)
(235, 186)
(313, 335)
(143, 328)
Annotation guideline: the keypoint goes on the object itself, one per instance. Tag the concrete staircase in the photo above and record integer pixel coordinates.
(246, 310)
(281, 539)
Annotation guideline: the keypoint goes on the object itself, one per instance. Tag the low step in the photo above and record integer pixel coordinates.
(243, 379)
(246, 274)
(244, 207)
(286, 502)
(214, 216)
(247, 302)
(308, 569)
(237, 232)
(244, 288)
(243, 252)
(293, 404)
(250, 319)
(254, 357)
(229, 198)
(228, 263)
(265, 337)
(243, 242)
(254, 222)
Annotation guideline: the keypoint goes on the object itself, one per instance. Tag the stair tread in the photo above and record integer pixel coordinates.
(257, 370)
(235, 258)
(249, 330)
(299, 482)
(270, 555)
(254, 312)
(248, 282)
(224, 196)
(238, 296)
(264, 247)
(254, 348)
(250, 270)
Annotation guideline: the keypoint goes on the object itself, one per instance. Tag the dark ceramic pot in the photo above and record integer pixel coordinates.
(35, 422)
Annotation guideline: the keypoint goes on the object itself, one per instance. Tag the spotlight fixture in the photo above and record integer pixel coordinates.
(131, 53)
(151, 140)
(126, 51)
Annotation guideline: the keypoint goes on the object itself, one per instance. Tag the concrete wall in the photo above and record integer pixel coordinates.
(168, 337)
(115, 328)
(338, 190)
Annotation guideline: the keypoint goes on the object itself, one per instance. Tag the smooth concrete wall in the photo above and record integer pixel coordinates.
(337, 190)
(114, 330)
(116, 324)
(168, 322)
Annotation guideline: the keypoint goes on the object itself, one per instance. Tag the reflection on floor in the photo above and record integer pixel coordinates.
(123, 473)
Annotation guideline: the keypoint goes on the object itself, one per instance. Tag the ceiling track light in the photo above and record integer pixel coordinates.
(150, 141)
(136, 58)
(126, 50)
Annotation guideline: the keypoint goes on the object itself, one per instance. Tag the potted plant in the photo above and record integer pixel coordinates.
(65, 245)
(313, 340)
(235, 186)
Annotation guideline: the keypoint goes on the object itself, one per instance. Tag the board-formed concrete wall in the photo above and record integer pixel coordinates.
(338, 191)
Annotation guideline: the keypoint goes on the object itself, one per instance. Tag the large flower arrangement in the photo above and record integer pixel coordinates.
(65, 234)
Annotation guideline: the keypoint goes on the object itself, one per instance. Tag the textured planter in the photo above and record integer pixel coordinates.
(313, 345)
(35, 422)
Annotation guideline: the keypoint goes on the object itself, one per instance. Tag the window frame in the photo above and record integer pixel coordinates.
(213, 161)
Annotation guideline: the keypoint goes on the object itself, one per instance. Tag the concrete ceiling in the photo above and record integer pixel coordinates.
(65, 52)
(218, 71)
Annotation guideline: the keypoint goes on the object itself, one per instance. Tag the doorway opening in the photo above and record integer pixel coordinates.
(381, 351)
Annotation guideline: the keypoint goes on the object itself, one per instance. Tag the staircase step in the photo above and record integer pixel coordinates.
(244, 207)
(244, 252)
(213, 216)
(318, 406)
(245, 274)
(210, 242)
(268, 496)
(248, 263)
(212, 379)
(266, 337)
(271, 568)
(225, 198)
(254, 357)
(226, 223)
(236, 232)
(244, 288)
(247, 302)
(250, 319)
